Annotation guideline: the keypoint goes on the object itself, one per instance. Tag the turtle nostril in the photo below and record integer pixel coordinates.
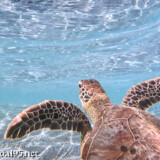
(80, 85)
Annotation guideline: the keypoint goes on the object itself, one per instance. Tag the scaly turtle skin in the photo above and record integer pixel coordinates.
(120, 132)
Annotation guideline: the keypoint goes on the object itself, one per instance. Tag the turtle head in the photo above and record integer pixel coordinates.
(92, 96)
(88, 89)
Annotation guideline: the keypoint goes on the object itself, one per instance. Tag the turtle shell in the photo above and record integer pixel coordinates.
(123, 133)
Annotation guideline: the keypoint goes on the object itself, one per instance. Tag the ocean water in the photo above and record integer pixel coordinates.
(47, 46)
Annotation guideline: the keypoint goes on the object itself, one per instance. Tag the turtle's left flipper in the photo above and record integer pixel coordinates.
(144, 94)
(55, 115)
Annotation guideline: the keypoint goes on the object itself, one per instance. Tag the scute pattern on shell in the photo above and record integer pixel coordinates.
(143, 95)
(123, 126)
(55, 115)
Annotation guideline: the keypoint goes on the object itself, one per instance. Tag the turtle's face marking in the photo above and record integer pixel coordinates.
(88, 89)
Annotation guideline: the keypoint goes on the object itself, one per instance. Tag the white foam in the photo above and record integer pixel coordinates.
(132, 63)
(11, 48)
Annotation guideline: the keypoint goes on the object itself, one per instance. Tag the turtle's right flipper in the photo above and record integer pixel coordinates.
(55, 115)
(144, 94)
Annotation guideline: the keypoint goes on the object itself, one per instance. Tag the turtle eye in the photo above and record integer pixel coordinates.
(80, 84)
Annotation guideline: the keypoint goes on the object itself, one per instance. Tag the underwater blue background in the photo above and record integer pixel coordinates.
(47, 46)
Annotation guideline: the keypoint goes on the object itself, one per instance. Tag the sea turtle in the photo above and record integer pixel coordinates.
(120, 132)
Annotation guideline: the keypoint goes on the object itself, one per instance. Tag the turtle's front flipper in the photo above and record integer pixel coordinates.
(55, 115)
(144, 94)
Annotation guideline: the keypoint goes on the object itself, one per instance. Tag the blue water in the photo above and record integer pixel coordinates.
(47, 46)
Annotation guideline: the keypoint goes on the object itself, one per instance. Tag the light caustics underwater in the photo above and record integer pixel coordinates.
(47, 46)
